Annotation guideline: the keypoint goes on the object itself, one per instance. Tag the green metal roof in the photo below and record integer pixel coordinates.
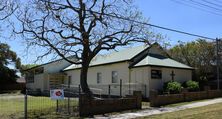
(127, 54)
(158, 60)
(116, 56)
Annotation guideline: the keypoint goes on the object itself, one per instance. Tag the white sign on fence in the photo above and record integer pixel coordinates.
(57, 94)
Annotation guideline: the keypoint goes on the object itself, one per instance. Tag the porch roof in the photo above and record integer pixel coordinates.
(161, 61)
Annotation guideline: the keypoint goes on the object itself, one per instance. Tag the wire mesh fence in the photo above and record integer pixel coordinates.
(44, 107)
(12, 106)
(38, 105)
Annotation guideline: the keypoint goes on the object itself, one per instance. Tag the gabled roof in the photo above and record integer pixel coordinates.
(58, 60)
(161, 61)
(116, 56)
(139, 56)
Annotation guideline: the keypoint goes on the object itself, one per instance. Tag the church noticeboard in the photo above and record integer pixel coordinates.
(156, 74)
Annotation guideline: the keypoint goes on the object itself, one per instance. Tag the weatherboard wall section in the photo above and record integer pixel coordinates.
(181, 75)
(140, 77)
(106, 74)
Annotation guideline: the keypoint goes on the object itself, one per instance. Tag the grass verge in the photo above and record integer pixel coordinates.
(213, 111)
(184, 103)
(38, 107)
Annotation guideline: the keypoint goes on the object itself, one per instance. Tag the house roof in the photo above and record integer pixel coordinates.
(116, 56)
(58, 60)
(157, 60)
(161, 61)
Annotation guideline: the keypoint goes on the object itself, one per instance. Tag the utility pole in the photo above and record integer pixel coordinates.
(218, 75)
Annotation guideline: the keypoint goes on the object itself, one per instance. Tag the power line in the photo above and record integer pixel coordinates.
(160, 27)
(218, 1)
(212, 3)
(206, 5)
(196, 7)
(143, 23)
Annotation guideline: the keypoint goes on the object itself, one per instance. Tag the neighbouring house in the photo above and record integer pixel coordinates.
(139, 68)
(20, 80)
(46, 76)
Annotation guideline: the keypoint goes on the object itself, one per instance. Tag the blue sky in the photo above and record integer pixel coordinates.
(170, 14)
(166, 13)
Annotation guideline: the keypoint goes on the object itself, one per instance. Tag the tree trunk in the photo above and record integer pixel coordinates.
(85, 66)
(83, 80)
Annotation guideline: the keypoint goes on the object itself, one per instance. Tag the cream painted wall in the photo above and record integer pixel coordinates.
(106, 71)
(181, 75)
(40, 81)
(156, 84)
(140, 78)
(75, 75)
(142, 75)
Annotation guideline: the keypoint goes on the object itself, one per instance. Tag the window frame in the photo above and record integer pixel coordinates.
(30, 77)
(98, 77)
(69, 80)
(114, 77)
(156, 74)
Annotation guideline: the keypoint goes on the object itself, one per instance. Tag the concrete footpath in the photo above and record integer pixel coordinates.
(154, 111)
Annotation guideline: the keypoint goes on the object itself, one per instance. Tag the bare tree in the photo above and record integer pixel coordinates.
(7, 8)
(81, 28)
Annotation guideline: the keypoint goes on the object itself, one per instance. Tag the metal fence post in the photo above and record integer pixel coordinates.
(129, 89)
(25, 105)
(217, 63)
(120, 87)
(57, 106)
(69, 94)
(79, 89)
(145, 90)
(109, 91)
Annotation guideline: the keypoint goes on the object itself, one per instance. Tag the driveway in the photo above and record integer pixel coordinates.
(154, 111)
(12, 96)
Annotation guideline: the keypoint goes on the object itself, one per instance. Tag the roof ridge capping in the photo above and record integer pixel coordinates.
(124, 50)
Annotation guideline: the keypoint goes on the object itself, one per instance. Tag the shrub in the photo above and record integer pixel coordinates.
(173, 87)
(192, 85)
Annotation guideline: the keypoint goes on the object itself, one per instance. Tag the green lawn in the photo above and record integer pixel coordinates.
(207, 112)
(38, 107)
(183, 103)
